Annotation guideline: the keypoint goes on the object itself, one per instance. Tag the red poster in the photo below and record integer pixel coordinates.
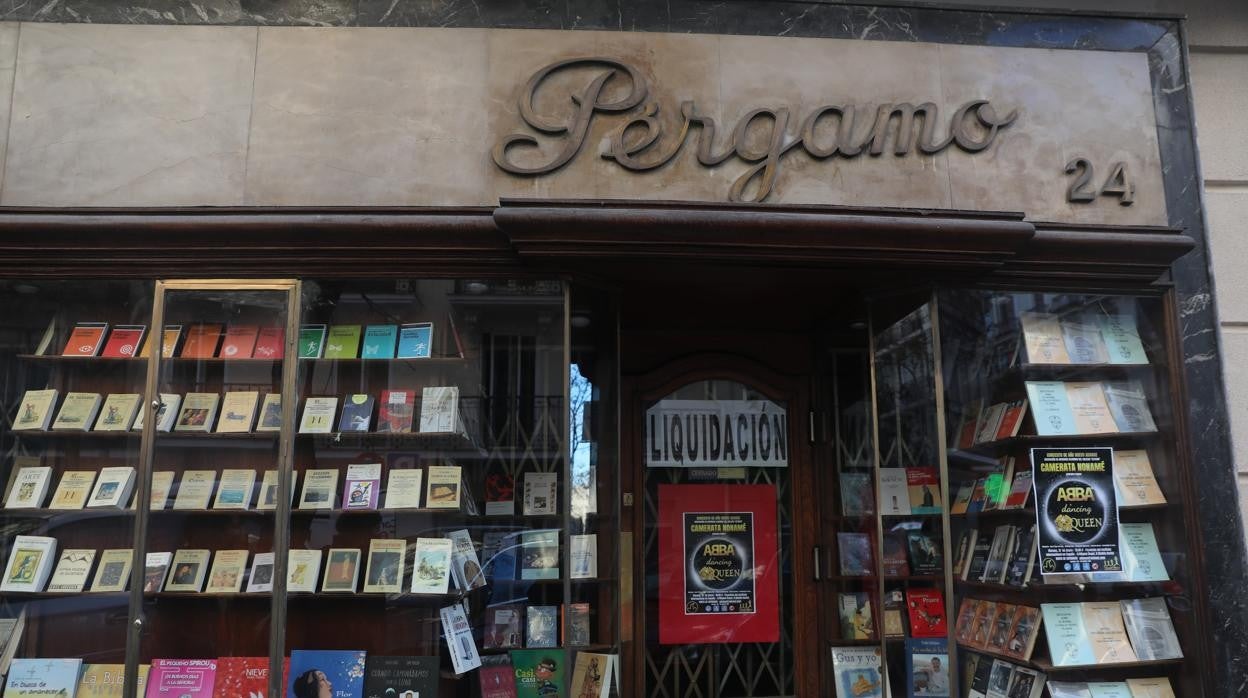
(718, 564)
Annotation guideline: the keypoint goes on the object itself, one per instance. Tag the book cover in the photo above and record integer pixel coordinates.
(926, 557)
(357, 413)
(1141, 559)
(384, 572)
(318, 415)
(195, 489)
(235, 489)
(541, 627)
(198, 413)
(1022, 562)
(965, 617)
(238, 412)
(342, 570)
(1050, 410)
(999, 629)
(1043, 339)
(1067, 639)
(962, 553)
(465, 566)
(162, 485)
(1084, 343)
(968, 425)
(245, 677)
(34, 413)
(397, 409)
(980, 551)
(999, 677)
(155, 569)
(1158, 687)
(1128, 403)
(267, 501)
(188, 570)
(459, 641)
(379, 341)
(962, 499)
(78, 412)
(857, 497)
(113, 572)
(311, 341)
(854, 553)
(170, 404)
(500, 494)
(994, 491)
(497, 677)
(270, 413)
(1011, 420)
(401, 677)
(439, 409)
(857, 672)
(303, 568)
(583, 556)
(1134, 480)
(1020, 490)
(342, 672)
(270, 343)
(73, 569)
(240, 341)
(1024, 630)
(431, 565)
(1027, 683)
(857, 622)
(927, 668)
(261, 578)
(981, 624)
(998, 555)
(168, 342)
(30, 563)
(226, 574)
(927, 612)
(118, 412)
(541, 494)
(108, 681)
(503, 627)
(894, 614)
(1109, 689)
(1089, 407)
(30, 488)
(320, 485)
(415, 340)
(894, 492)
(1102, 621)
(201, 341)
(592, 675)
(443, 491)
(989, 422)
(1122, 339)
(539, 673)
(896, 563)
(1150, 629)
(85, 339)
(403, 488)
(43, 678)
(578, 630)
(539, 555)
(343, 342)
(362, 487)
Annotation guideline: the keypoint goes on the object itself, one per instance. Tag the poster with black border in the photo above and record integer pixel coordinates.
(719, 569)
(1076, 511)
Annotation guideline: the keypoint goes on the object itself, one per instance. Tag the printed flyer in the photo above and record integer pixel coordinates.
(1076, 510)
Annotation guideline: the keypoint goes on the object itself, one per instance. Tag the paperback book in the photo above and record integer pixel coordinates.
(113, 572)
(235, 489)
(344, 670)
(396, 677)
(357, 413)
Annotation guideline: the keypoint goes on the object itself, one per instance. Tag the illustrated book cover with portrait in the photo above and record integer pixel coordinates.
(342, 670)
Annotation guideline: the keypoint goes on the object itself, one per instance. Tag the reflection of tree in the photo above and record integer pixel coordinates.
(580, 395)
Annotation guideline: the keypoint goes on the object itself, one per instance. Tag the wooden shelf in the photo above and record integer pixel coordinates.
(71, 514)
(1048, 667)
(432, 360)
(978, 451)
(442, 441)
(1111, 587)
(1027, 512)
(220, 360)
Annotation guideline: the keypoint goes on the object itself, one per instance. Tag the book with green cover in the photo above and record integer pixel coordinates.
(539, 673)
(311, 341)
(343, 342)
(379, 341)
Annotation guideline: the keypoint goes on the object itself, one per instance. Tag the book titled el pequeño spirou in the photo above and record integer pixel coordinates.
(181, 678)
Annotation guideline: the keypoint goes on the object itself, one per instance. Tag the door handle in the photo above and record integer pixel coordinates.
(818, 565)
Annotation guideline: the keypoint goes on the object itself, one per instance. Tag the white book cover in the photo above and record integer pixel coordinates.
(162, 484)
(403, 489)
(261, 578)
(226, 575)
(43, 677)
(73, 490)
(238, 412)
(30, 563)
(583, 557)
(444, 484)
(112, 488)
(1129, 405)
(165, 416)
(195, 489)
(34, 413)
(431, 566)
(113, 572)
(303, 569)
(198, 413)
(465, 565)
(384, 573)
(73, 569)
(318, 415)
(362, 482)
(188, 570)
(118, 412)
(320, 487)
(78, 412)
(1150, 629)
(458, 633)
(1084, 343)
(235, 489)
(894, 492)
(267, 501)
(439, 410)
(541, 494)
(30, 488)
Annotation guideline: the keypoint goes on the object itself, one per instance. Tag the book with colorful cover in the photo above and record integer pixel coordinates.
(86, 339)
(245, 677)
(497, 677)
(342, 669)
(896, 562)
(857, 672)
(362, 486)
(270, 343)
(593, 674)
(857, 621)
(201, 341)
(857, 497)
(397, 409)
(43, 678)
(108, 681)
(312, 341)
(124, 341)
(181, 678)
(854, 552)
(500, 494)
(927, 667)
(168, 343)
(927, 612)
(504, 627)
(343, 342)
(924, 487)
(925, 554)
(1020, 491)
(357, 413)
(539, 673)
(379, 341)
(240, 341)
(395, 677)
(415, 340)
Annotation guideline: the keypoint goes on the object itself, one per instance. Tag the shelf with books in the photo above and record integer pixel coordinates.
(975, 453)
(1024, 513)
(389, 363)
(64, 516)
(1046, 666)
(1115, 589)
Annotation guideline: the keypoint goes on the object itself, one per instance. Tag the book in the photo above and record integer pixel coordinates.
(981, 624)
(379, 341)
(162, 484)
(344, 670)
(342, 570)
(1023, 560)
(962, 554)
(500, 494)
(78, 412)
(238, 412)
(541, 494)
(541, 627)
(927, 612)
(320, 485)
(34, 412)
(270, 343)
(239, 342)
(195, 489)
(1027, 683)
(1109, 689)
(1150, 629)
(235, 489)
(244, 677)
(968, 425)
(501, 554)
(73, 569)
(343, 342)
(999, 677)
(854, 554)
(459, 640)
(894, 614)
(397, 409)
(578, 632)
(357, 413)
(431, 565)
(201, 341)
(539, 673)
(108, 680)
(11, 629)
(1141, 559)
(995, 485)
(989, 422)
(927, 668)
(1043, 339)
(45, 341)
(73, 490)
(1020, 490)
(1088, 405)
(361, 490)
(311, 341)
(396, 677)
(384, 571)
(583, 556)
(1066, 636)
(118, 412)
(1122, 339)
(267, 500)
(999, 629)
(85, 339)
(856, 672)
(857, 622)
(261, 577)
(415, 340)
(168, 342)
(503, 627)
(1084, 343)
(982, 547)
(439, 410)
(539, 554)
(443, 488)
(1068, 689)
(1102, 621)
(962, 499)
(1134, 481)
(998, 555)
(856, 494)
(113, 488)
(497, 678)
(188, 570)
(30, 488)
(1158, 687)
(303, 568)
(270, 413)
(896, 562)
(1011, 420)
(894, 492)
(1128, 403)
(966, 617)
(198, 413)
(113, 572)
(403, 488)
(926, 557)
(226, 574)
(465, 566)
(318, 415)
(1050, 410)
(593, 674)
(155, 570)
(43, 678)
(165, 416)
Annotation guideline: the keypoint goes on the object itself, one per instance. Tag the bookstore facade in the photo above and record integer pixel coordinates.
(535, 362)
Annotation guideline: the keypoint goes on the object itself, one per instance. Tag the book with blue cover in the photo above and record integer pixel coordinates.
(43, 678)
(379, 341)
(927, 667)
(343, 670)
(357, 413)
(416, 340)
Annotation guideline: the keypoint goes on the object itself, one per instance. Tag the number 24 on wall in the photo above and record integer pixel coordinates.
(1082, 191)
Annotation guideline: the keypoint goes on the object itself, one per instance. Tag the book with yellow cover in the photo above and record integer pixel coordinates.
(73, 490)
(1088, 405)
(1134, 480)
(226, 576)
(1042, 336)
(107, 680)
(443, 487)
(238, 412)
(1106, 633)
(168, 342)
(162, 483)
(195, 489)
(1158, 687)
